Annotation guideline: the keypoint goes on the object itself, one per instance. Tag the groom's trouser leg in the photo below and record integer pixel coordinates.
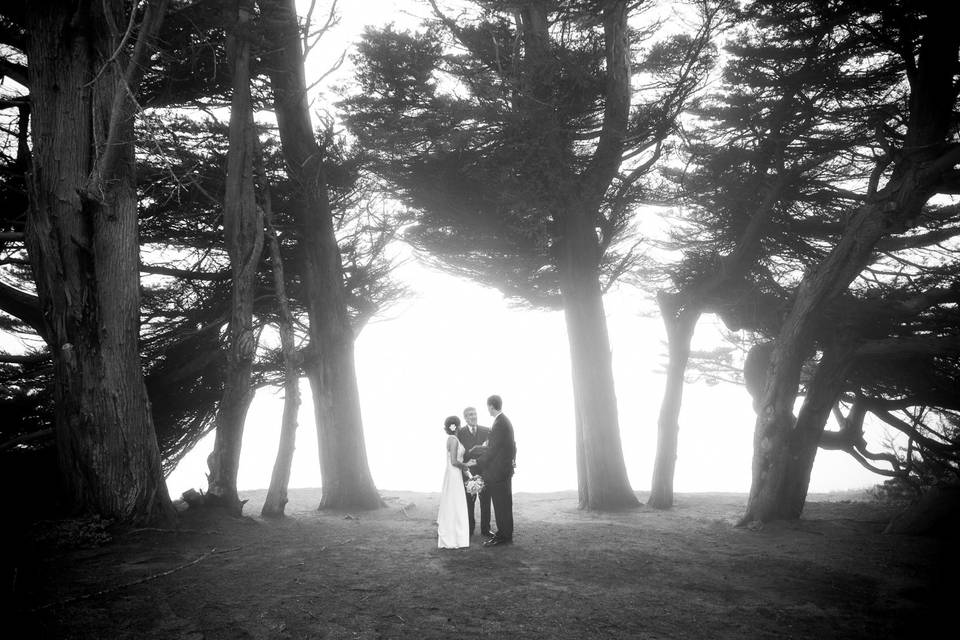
(484, 512)
(471, 500)
(501, 493)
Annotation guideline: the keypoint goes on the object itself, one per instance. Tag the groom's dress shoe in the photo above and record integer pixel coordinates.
(494, 541)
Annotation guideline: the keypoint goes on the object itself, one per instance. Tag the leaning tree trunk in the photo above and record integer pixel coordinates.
(602, 473)
(81, 236)
(680, 323)
(243, 235)
(345, 474)
(276, 500)
(822, 392)
(925, 160)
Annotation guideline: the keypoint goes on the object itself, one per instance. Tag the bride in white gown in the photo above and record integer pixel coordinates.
(453, 528)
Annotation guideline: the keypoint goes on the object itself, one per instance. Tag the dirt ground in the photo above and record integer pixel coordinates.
(683, 573)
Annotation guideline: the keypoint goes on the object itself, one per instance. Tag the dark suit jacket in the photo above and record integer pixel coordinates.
(468, 440)
(496, 464)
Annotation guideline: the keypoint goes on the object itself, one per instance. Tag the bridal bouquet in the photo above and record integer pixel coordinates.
(474, 485)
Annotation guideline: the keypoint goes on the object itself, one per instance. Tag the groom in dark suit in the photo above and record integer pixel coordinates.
(471, 435)
(496, 466)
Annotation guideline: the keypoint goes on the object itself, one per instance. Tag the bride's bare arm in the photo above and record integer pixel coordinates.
(452, 452)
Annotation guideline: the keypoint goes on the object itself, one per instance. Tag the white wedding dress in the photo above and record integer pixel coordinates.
(453, 527)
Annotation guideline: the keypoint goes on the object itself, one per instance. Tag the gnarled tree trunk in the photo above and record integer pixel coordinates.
(331, 369)
(925, 159)
(243, 236)
(822, 392)
(81, 235)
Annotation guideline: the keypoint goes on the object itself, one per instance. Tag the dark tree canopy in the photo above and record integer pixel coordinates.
(181, 151)
(490, 140)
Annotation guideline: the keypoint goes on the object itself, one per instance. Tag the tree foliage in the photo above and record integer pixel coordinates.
(180, 163)
(490, 141)
(813, 119)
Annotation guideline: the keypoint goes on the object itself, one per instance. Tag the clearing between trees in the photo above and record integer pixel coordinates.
(641, 573)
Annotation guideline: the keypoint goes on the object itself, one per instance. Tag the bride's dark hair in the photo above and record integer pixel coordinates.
(451, 424)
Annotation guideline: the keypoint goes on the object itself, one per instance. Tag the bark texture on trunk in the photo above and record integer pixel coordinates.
(243, 236)
(81, 235)
(345, 473)
(822, 393)
(276, 500)
(926, 157)
(680, 323)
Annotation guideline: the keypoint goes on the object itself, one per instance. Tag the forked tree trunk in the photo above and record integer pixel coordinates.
(276, 500)
(602, 473)
(345, 474)
(681, 312)
(243, 236)
(822, 393)
(680, 323)
(601, 470)
(925, 160)
(81, 236)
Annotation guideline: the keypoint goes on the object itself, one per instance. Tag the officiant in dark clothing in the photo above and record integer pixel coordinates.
(496, 466)
(473, 435)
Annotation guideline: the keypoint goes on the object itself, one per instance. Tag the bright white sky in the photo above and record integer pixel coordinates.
(454, 343)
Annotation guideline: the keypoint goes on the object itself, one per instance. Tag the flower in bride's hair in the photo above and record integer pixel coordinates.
(474, 485)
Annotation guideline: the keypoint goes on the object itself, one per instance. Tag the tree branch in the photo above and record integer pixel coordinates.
(913, 346)
(23, 306)
(152, 19)
(14, 71)
(186, 274)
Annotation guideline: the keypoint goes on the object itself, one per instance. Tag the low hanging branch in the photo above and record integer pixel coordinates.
(26, 438)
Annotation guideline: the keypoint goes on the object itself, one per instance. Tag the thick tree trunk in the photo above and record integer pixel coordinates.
(925, 159)
(346, 478)
(784, 493)
(602, 473)
(81, 236)
(276, 500)
(822, 393)
(680, 324)
(243, 236)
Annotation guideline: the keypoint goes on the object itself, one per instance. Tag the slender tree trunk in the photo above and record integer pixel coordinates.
(81, 235)
(681, 312)
(276, 500)
(602, 473)
(926, 158)
(346, 478)
(243, 235)
(680, 323)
